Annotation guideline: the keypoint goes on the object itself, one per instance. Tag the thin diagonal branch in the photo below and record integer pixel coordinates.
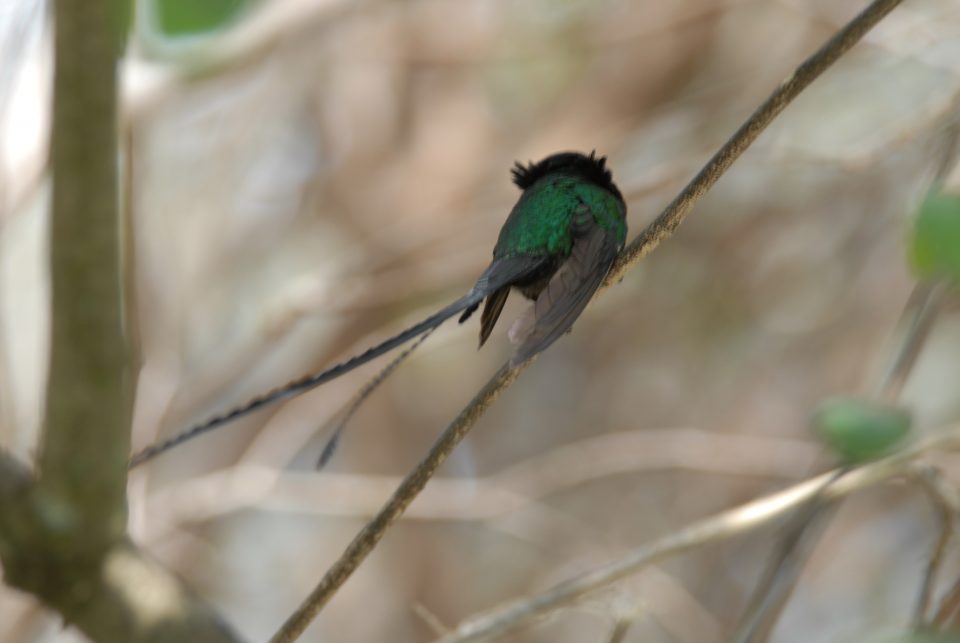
(659, 230)
(364, 542)
(808, 71)
(917, 320)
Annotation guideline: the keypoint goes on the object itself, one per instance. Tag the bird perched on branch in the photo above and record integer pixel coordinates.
(556, 247)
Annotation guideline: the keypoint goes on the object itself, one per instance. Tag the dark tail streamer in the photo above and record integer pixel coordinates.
(308, 382)
(361, 396)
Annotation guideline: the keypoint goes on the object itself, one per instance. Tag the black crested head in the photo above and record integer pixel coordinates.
(591, 168)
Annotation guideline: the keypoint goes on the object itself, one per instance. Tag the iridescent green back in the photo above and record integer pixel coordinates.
(541, 221)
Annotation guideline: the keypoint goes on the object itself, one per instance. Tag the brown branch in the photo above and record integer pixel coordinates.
(932, 569)
(619, 631)
(946, 503)
(916, 321)
(664, 225)
(659, 230)
(801, 535)
(373, 531)
(946, 615)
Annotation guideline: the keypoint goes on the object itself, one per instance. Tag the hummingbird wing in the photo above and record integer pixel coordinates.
(568, 292)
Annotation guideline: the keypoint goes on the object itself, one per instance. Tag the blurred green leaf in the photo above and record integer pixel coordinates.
(858, 430)
(189, 17)
(935, 246)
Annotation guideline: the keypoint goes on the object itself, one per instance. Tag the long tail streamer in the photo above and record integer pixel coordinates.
(308, 382)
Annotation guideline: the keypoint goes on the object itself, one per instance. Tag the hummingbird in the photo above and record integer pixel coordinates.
(556, 247)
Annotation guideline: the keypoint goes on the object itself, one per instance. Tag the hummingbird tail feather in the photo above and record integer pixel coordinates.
(304, 384)
(491, 313)
(361, 396)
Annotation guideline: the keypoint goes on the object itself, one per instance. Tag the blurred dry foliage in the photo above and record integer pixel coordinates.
(327, 172)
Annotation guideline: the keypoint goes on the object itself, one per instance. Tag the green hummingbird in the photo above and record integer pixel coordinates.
(556, 247)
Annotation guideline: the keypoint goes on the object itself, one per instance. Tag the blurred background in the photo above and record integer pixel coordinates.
(306, 177)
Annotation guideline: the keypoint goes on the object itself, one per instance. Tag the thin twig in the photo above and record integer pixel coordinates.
(773, 590)
(743, 519)
(945, 500)
(933, 567)
(619, 631)
(916, 321)
(373, 531)
(949, 606)
(664, 225)
(429, 619)
(659, 230)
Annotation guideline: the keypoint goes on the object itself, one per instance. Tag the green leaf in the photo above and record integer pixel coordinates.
(191, 17)
(935, 243)
(858, 430)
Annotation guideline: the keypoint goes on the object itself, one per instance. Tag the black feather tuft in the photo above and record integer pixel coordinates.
(590, 168)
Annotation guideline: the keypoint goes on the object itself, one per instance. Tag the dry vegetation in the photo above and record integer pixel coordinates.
(328, 172)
